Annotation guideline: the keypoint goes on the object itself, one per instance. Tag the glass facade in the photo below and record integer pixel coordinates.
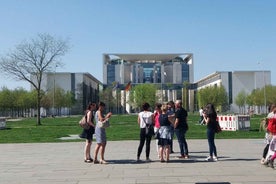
(110, 73)
(185, 72)
(143, 68)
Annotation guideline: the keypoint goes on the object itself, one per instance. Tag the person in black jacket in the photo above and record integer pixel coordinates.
(180, 128)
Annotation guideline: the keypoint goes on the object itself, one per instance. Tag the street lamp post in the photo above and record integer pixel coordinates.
(54, 90)
(165, 74)
(264, 92)
(264, 88)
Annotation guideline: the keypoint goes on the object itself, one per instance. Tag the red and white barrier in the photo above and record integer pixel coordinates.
(234, 122)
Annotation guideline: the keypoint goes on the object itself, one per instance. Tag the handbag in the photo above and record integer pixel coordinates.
(103, 124)
(149, 130)
(217, 128)
(83, 123)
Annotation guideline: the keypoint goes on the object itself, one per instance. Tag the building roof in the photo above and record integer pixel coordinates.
(144, 57)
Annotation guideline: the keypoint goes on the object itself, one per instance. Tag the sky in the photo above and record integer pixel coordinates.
(223, 35)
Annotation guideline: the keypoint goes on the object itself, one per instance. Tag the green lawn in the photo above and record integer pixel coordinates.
(123, 127)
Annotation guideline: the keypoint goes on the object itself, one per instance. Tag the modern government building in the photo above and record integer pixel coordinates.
(170, 72)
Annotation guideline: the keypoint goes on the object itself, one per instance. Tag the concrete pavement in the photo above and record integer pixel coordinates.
(62, 163)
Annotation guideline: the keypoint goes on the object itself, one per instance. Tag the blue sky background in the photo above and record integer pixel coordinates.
(223, 35)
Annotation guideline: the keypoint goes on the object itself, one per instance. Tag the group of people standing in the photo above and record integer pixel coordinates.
(166, 120)
(93, 115)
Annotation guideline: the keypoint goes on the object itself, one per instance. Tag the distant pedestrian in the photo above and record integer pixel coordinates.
(146, 123)
(201, 120)
(180, 128)
(210, 117)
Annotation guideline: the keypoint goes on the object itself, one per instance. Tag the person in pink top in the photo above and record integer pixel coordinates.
(272, 129)
(157, 112)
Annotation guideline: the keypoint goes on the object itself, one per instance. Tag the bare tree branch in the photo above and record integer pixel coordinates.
(31, 59)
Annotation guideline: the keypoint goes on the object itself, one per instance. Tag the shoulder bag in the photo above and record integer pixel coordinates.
(149, 128)
(217, 127)
(83, 122)
(103, 124)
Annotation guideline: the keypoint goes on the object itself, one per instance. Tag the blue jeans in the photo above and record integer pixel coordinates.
(183, 146)
(211, 142)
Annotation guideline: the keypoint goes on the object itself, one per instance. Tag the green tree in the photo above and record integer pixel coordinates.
(240, 101)
(143, 93)
(106, 96)
(6, 101)
(19, 100)
(34, 58)
(16, 102)
(270, 94)
(30, 101)
(258, 97)
(250, 100)
(47, 100)
(262, 97)
(185, 95)
(59, 99)
(62, 99)
(69, 100)
(213, 94)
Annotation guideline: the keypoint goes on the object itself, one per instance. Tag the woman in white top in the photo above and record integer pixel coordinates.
(146, 123)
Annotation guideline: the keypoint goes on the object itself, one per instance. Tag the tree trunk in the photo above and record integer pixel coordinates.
(38, 108)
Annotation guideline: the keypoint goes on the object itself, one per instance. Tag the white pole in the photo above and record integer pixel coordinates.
(264, 88)
(264, 92)
(54, 112)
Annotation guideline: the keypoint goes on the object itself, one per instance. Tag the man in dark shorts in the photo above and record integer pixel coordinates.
(180, 128)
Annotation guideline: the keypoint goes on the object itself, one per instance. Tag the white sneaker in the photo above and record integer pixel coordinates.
(215, 158)
(209, 158)
(263, 161)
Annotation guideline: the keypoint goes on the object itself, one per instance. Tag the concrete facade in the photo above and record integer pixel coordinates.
(84, 87)
(167, 71)
(173, 70)
(148, 68)
(235, 82)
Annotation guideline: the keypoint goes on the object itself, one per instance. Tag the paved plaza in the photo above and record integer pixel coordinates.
(62, 163)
